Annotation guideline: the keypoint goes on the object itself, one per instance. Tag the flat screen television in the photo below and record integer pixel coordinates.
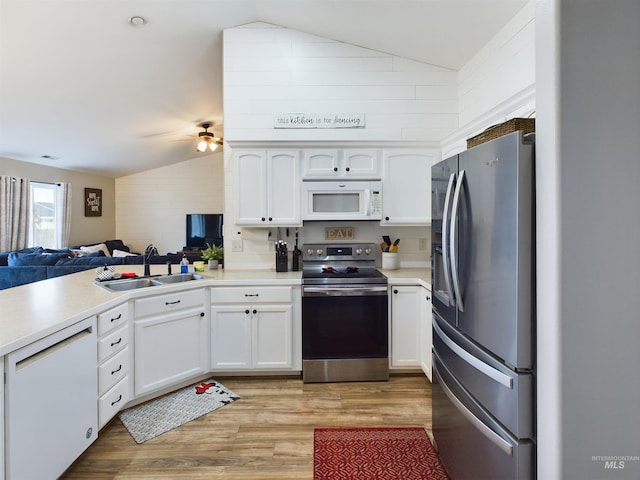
(203, 228)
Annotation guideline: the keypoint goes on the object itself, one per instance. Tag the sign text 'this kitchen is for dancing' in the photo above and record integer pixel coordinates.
(319, 120)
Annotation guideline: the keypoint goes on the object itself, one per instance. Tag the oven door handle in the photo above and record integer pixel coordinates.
(343, 291)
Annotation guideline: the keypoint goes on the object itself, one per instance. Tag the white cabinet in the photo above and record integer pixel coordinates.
(356, 163)
(114, 362)
(406, 186)
(252, 328)
(267, 185)
(426, 333)
(171, 339)
(405, 326)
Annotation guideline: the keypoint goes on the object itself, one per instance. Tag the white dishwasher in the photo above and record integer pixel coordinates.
(51, 393)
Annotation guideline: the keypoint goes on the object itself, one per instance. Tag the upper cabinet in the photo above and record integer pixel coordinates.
(356, 163)
(406, 186)
(267, 185)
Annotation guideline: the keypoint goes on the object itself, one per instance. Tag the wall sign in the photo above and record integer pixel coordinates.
(345, 233)
(92, 202)
(319, 120)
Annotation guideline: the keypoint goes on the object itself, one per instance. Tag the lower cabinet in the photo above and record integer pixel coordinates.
(405, 326)
(426, 332)
(114, 362)
(171, 340)
(411, 336)
(252, 328)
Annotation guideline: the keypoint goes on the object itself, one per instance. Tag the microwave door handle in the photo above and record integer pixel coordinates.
(454, 262)
(445, 238)
(367, 201)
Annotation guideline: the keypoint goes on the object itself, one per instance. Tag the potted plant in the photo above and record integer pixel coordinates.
(213, 254)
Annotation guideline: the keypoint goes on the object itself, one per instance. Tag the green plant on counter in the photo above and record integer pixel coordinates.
(212, 252)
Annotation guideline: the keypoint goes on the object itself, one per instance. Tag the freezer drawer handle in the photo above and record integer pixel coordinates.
(493, 437)
(489, 371)
(452, 239)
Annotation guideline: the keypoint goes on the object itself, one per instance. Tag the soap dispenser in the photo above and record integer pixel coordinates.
(184, 264)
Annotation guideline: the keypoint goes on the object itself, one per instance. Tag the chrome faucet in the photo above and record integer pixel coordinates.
(149, 252)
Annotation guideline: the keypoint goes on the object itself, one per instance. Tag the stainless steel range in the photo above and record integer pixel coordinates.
(345, 322)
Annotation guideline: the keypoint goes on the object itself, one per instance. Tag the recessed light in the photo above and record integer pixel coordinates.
(137, 21)
(50, 157)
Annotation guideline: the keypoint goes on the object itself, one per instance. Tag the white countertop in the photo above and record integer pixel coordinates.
(33, 311)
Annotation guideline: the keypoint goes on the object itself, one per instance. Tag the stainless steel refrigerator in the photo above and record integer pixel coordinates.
(483, 281)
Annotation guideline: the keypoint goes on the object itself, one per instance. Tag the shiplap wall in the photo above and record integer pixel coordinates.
(151, 205)
(498, 83)
(270, 70)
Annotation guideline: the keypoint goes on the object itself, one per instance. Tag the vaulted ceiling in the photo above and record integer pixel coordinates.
(79, 84)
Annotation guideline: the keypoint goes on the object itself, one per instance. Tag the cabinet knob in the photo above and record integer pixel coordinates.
(386, 218)
(263, 219)
(247, 311)
(347, 169)
(270, 219)
(395, 291)
(202, 314)
(335, 169)
(254, 311)
(428, 298)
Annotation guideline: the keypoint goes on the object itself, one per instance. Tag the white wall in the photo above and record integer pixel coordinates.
(84, 230)
(498, 83)
(270, 70)
(588, 171)
(151, 205)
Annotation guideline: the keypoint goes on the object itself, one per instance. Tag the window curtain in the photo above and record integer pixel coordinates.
(64, 227)
(14, 213)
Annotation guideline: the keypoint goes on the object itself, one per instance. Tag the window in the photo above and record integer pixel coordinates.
(46, 215)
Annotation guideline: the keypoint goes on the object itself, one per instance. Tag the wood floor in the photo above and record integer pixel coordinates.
(267, 434)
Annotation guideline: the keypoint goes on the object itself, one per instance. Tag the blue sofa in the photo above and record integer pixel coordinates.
(37, 263)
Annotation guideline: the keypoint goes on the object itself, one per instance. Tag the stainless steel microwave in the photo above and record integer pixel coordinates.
(337, 200)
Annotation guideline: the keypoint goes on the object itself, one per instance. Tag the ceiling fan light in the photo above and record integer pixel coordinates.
(202, 145)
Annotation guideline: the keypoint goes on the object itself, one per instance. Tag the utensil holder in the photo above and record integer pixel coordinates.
(389, 261)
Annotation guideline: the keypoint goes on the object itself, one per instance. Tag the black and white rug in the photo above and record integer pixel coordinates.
(156, 417)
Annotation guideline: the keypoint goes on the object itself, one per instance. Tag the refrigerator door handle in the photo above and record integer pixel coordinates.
(479, 365)
(492, 436)
(445, 238)
(452, 242)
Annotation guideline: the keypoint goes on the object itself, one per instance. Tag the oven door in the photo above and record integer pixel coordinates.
(344, 322)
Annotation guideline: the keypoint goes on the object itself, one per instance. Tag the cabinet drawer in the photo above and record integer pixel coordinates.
(113, 370)
(169, 302)
(251, 295)
(112, 402)
(112, 343)
(113, 318)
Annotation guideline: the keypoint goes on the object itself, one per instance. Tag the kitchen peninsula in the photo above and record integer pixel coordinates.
(166, 334)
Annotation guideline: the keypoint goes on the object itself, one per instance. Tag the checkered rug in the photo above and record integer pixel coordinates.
(156, 417)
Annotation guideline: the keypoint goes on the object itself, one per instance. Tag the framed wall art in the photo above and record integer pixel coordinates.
(92, 202)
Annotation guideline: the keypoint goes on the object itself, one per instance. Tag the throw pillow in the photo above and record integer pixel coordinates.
(96, 248)
(120, 253)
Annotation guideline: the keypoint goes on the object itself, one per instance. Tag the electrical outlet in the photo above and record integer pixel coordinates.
(236, 245)
(422, 244)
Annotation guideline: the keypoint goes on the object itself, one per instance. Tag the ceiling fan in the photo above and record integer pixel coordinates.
(207, 140)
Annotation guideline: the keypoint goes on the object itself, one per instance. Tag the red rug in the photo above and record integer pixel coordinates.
(375, 453)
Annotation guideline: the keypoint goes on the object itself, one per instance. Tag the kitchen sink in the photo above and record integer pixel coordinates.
(135, 283)
(182, 277)
(122, 285)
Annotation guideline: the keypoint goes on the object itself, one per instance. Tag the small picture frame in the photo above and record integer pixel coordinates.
(92, 202)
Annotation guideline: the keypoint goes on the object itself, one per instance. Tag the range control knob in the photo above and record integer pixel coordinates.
(358, 251)
(367, 251)
(309, 251)
(319, 251)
